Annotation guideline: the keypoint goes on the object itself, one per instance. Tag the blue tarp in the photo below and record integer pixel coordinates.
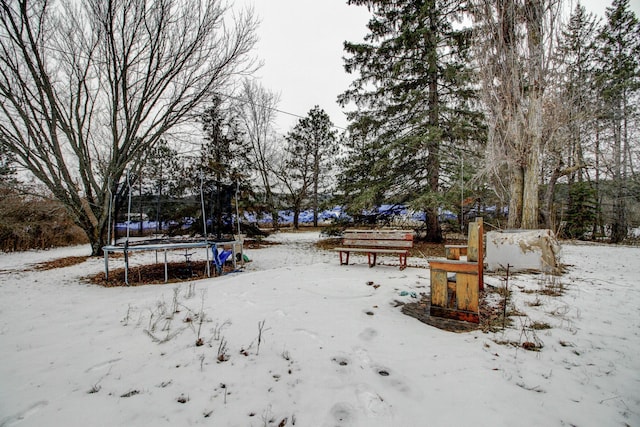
(306, 216)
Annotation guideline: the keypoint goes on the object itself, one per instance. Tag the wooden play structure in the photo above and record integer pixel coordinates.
(374, 242)
(456, 282)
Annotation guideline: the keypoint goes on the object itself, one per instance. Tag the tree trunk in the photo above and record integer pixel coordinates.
(158, 199)
(275, 220)
(619, 223)
(547, 210)
(97, 241)
(296, 218)
(530, 196)
(533, 132)
(264, 172)
(315, 201)
(516, 192)
(434, 231)
(620, 230)
(316, 178)
(96, 230)
(218, 205)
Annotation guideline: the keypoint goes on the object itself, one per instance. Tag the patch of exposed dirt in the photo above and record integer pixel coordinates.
(154, 274)
(428, 249)
(60, 263)
(258, 243)
(420, 310)
(490, 316)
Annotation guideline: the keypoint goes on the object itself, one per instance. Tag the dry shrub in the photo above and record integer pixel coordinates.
(29, 222)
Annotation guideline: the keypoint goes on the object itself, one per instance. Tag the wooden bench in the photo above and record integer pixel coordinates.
(374, 242)
(455, 283)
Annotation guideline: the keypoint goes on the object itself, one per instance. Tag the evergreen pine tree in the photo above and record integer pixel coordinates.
(220, 160)
(414, 101)
(311, 148)
(577, 51)
(578, 106)
(582, 210)
(163, 171)
(619, 83)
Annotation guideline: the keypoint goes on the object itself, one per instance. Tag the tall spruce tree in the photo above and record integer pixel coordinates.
(414, 105)
(577, 50)
(619, 85)
(579, 112)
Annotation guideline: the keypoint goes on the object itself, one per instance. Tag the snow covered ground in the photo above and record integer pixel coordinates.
(297, 339)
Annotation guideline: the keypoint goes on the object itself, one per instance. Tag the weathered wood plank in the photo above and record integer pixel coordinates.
(378, 236)
(454, 266)
(439, 288)
(467, 291)
(376, 250)
(472, 251)
(462, 247)
(454, 314)
(378, 231)
(378, 243)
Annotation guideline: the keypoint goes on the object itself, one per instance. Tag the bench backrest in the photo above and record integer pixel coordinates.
(397, 239)
(475, 250)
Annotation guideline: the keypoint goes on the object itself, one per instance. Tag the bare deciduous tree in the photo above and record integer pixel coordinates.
(515, 41)
(86, 90)
(259, 113)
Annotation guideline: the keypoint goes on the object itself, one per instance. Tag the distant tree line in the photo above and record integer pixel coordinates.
(497, 108)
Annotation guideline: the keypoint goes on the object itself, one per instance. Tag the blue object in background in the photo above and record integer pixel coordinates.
(219, 258)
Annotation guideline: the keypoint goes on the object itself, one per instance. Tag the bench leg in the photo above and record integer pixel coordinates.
(403, 261)
(372, 264)
(347, 258)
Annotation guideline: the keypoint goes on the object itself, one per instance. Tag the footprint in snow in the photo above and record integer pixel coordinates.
(394, 380)
(372, 403)
(368, 334)
(341, 360)
(341, 415)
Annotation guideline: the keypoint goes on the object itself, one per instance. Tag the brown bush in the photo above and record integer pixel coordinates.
(30, 222)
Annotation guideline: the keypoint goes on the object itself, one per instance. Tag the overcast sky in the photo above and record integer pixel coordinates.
(301, 44)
